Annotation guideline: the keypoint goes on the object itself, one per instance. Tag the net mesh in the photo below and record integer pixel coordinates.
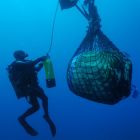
(98, 71)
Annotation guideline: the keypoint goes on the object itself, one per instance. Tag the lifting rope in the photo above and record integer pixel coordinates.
(53, 25)
(54, 19)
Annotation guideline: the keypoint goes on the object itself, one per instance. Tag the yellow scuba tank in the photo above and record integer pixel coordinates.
(49, 72)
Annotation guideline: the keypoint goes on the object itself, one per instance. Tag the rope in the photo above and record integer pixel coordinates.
(82, 12)
(52, 34)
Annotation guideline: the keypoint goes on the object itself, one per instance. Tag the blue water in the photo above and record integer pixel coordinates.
(26, 24)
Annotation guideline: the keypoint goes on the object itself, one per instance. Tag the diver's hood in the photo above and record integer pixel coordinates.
(20, 55)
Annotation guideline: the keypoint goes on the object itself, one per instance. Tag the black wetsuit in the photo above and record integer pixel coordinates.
(25, 82)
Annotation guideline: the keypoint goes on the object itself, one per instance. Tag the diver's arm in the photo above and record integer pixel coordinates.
(40, 59)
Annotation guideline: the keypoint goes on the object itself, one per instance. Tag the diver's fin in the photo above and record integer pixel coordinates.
(51, 125)
(135, 92)
(27, 127)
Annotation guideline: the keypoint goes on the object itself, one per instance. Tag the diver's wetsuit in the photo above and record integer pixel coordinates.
(27, 82)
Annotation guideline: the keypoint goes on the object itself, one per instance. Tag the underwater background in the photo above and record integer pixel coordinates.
(27, 25)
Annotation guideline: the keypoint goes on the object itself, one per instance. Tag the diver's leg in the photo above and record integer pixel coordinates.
(51, 124)
(40, 93)
(34, 108)
(27, 127)
(44, 99)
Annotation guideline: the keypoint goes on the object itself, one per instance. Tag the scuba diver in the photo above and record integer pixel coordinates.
(23, 77)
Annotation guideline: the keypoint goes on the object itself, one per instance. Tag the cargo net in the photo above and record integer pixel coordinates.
(98, 71)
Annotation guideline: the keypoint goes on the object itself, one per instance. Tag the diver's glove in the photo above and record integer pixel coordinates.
(43, 58)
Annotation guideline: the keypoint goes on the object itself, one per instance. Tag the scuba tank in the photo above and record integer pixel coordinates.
(49, 72)
(16, 79)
